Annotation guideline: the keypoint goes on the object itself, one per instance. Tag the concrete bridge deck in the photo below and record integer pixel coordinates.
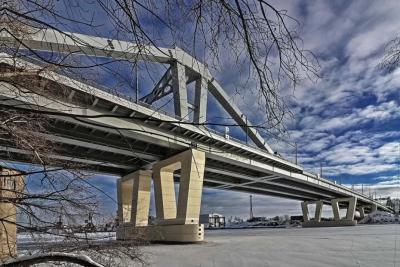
(112, 134)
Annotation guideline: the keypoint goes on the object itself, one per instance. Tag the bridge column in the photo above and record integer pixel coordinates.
(335, 210)
(374, 207)
(124, 193)
(10, 188)
(318, 211)
(164, 193)
(179, 223)
(304, 208)
(133, 203)
(362, 212)
(141, 198)
(351, 209)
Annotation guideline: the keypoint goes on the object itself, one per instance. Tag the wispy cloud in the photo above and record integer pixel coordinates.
(349, 119)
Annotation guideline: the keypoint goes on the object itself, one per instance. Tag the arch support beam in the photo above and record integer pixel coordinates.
(179, 90)
(161, 89)
(217, 91)
(200, 113)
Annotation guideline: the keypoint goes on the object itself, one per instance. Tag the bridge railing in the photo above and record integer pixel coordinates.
(314, 178)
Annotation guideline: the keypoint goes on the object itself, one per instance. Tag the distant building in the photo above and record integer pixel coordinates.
(212, 220)
(257, 219)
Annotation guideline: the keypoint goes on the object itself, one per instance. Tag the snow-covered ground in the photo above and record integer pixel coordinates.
(31, 242)
(363, 245)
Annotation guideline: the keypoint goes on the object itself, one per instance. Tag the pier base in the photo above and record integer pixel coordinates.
(162, 233)
(329, 223)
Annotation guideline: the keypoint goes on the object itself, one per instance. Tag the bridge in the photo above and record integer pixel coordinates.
(106, 132)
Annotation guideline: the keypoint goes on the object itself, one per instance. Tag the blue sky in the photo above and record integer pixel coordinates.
(347, 120)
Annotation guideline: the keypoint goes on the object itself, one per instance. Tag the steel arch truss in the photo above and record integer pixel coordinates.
(183, 69)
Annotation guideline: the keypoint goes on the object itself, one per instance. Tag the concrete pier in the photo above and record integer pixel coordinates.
(347, 221)
(176, 221)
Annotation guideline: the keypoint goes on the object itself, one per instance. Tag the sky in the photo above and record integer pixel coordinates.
(347, 121)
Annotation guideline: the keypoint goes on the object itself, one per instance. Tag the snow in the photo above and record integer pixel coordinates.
(380, 217)
(70, 256)
(28, 241)
(364, 245)
(29, 237)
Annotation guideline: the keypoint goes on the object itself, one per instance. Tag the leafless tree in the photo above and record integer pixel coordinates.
(252, 32)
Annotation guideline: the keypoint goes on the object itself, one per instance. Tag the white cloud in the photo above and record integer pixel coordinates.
(380, 190)
(348, 118)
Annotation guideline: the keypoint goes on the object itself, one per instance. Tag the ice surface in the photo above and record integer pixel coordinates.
(363, 245)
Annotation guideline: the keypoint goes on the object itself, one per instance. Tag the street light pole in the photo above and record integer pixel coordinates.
(247, 132)
(137, 82)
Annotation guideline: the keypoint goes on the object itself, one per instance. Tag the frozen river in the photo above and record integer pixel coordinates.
(366, 245)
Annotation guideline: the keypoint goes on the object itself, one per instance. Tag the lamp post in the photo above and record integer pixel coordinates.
(137, 81)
